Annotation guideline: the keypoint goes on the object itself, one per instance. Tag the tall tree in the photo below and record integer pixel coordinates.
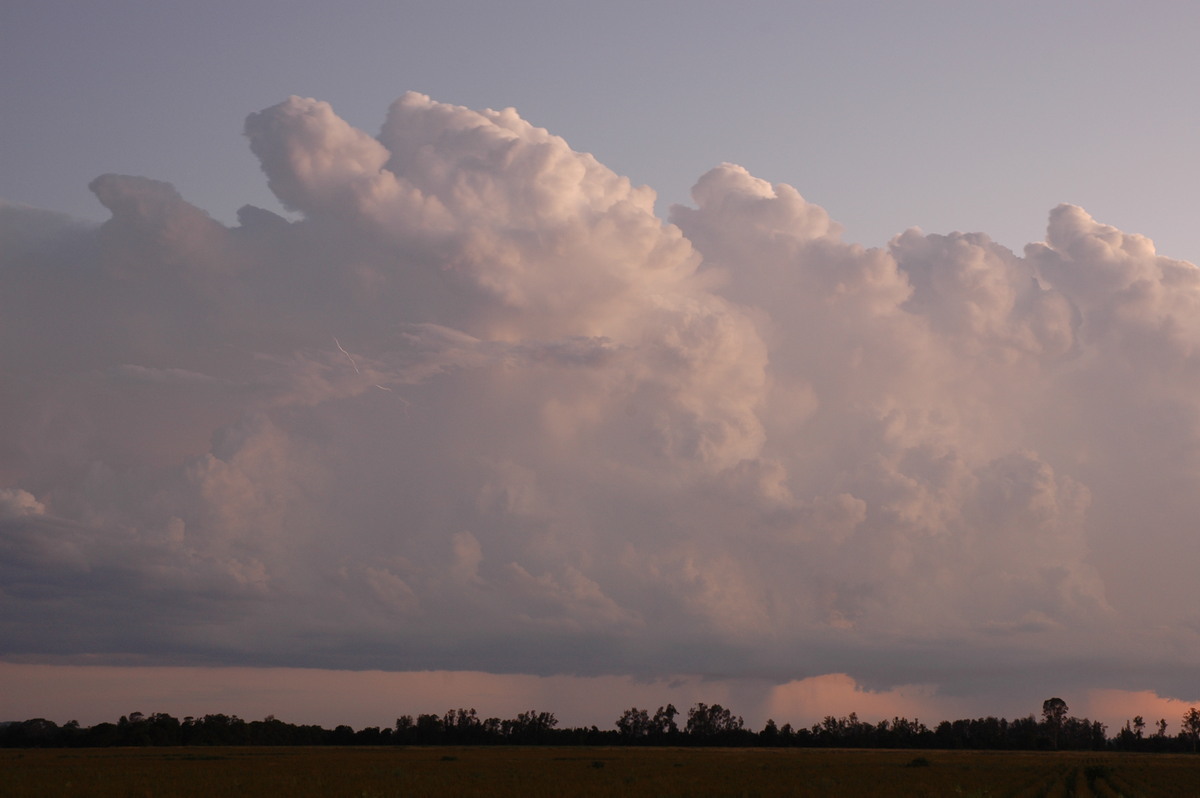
(1054, 712)
(1191, 726)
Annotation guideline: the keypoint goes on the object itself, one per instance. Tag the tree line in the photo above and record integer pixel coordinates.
(703, 724)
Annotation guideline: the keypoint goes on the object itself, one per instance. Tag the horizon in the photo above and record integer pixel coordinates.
(317, 697)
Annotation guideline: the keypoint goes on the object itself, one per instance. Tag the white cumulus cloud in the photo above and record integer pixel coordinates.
(478, 408)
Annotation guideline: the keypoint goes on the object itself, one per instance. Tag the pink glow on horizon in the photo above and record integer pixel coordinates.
(97, 694)
(838, 694)
(1123, 705)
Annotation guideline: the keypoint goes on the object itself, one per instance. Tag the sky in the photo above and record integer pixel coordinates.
(803, 357)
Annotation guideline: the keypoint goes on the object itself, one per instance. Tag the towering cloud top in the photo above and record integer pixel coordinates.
(478, 407)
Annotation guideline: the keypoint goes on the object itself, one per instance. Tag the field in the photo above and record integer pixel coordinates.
(532, 772)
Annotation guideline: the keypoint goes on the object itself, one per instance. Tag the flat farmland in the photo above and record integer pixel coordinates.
(535, 771)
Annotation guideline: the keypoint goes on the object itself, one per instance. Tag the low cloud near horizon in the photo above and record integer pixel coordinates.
(476, 408)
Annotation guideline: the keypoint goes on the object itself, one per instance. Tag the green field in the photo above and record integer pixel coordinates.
(532, 771)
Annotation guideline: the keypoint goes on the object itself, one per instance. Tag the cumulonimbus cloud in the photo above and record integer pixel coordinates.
(477, 407)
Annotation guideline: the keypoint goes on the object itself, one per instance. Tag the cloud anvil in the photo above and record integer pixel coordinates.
(476, 407)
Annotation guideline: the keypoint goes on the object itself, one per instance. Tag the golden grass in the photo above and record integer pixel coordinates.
(534, 772)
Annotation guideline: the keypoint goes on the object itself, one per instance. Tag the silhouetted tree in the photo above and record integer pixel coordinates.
(429, 729)
(713, 724)
(1054, 710)
(1190, 727)
(634, 724)
(32, 733)
(1126, 739)
(770, 733)
(406, 730)
(706, 725)
(905, 733)
(529, 727)
(462, 726)
(663, 724)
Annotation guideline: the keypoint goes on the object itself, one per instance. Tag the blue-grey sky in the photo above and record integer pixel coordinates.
(365, 352)
(944, 115)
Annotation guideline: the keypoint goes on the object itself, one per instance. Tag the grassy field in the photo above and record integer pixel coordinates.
(534, 772)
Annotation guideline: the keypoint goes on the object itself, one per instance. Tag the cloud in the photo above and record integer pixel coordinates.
(16, 503)
(838, 695)
(476, 407)
(1125, 705)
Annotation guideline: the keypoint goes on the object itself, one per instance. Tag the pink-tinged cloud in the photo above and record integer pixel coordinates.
(839, 695)
(1122, 706)
(476, 408)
